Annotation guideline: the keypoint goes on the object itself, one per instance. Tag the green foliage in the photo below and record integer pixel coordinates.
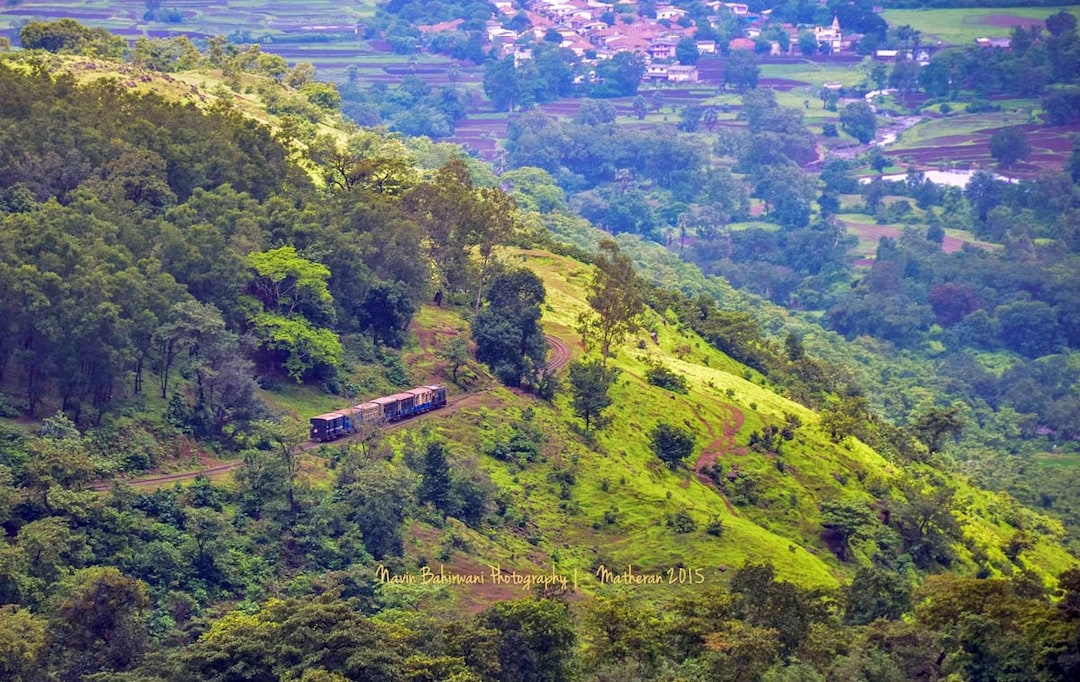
(507, 330)
(666, 378)
(847, 520)
(386, 313)
(435, 476)
(741, 70)
(535, 639)
(859, 121)
(306, 348)
(1009, 145)
(671, 443)
(590, 382)
(68, 35)
(615, 298)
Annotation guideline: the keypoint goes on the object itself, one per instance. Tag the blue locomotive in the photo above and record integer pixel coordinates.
(333, 425)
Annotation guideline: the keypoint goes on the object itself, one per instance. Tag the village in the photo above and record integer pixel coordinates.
(593, 31)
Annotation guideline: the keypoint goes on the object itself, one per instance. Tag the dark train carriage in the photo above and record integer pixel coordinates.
(389, 407)
(328, 426)
(438, 396)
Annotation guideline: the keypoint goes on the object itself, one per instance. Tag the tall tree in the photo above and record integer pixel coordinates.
(741, 70)
(847, 519)
(936, 424)
(435, 478)
(296, 302)
(99, 621)
(858, 120)
(590, 382)
(507, 330)
(615, 298)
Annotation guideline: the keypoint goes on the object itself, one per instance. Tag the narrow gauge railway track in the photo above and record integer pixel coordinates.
(558, 358)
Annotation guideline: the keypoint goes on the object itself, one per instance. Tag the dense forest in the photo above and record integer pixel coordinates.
(170, 272)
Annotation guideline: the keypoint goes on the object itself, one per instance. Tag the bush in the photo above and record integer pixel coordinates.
(980, 106)
(715, 526)
(665, 378)
(672, 444)
(682, 522)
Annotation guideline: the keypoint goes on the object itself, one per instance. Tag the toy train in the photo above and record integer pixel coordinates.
(333, 425)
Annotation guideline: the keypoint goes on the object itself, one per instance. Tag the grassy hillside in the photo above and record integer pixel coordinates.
(610, 501)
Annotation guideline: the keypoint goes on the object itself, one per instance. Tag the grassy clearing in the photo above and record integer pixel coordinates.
(925, 133)
(963, 26)
(1056, 460)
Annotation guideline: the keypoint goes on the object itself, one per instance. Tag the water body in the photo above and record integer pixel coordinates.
(949, 178)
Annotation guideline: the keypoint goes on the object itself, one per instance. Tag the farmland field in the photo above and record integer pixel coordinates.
(316, 31)
(963, 26)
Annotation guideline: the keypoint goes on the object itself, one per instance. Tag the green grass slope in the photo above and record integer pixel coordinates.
(610, 502)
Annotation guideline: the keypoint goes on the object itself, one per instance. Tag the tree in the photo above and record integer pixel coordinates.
(934, 425)
(710, 118)
(924, 518)
(671, 443)
(435, 478)
(99, 621)
(847, 519)
(615, 298)
(1061, 23)
(535, 639)
(456, 352)
(590, 382)
(377, 495)
(619, 76)
(595, 112)
(22, 644)
(807, 43)
(641, 108)
(741, 70)
(386, 312)
(690, 117)
(507, 331)
(1009, 145)
(844, 417)
(874, 593)
(686, 51)
(295, 301)
(1029, 327)
(65, 34)
(858, 120)
(501, 83)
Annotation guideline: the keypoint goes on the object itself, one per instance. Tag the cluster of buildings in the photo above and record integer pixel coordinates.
(582, 28)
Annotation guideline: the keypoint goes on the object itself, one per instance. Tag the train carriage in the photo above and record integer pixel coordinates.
(406, 404)
(370, 412)
(438, 396)
(389, 407)
(328, 426)
(422, 398)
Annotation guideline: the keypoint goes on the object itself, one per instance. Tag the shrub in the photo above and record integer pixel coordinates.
(667, 379)
(682, 522)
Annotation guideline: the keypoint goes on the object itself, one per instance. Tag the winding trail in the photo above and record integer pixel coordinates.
(558, 358)
(724, 443)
